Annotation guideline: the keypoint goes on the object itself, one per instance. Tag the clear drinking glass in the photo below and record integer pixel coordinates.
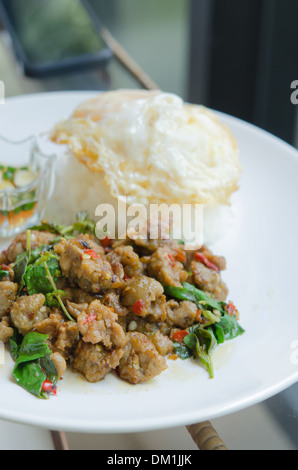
(23, 207)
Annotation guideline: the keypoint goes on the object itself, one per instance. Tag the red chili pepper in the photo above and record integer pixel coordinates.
(231, 309)
(91, 253)
(49, 387)
(180, 257)
(105, 242)
(180, 335)
(171, 259)
(200, 257)
(199, 315)
(4, 267)
(137, 308)
(91, 317)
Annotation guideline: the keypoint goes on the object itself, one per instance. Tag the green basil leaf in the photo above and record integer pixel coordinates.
(36, 279)
(190, 340)
(202, 342)
(51, 298)
(203, 298)
(21, 264)
(15, 344)
(190, 292)
(3, 274)
(182, 351)
(30, 376)
(48, 227)
(33, 347)
(229, 327)
(33, 363)
(204, 347)
(219, 333)
(49, 369)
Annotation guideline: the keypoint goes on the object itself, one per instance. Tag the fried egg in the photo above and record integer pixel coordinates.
(152, 147)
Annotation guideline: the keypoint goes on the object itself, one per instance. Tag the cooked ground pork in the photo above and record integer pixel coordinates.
(115, 293)
(60, 364)
(140, 361)
(50, 325)
(141, 291)
(112, 300)
(27, 311)
(209, 280)
(162, 343)
(99, 325)
(67, 339)
(19, 244)
(6, 331)
(163, 266)
(127, 259)
(94, 361)
(181, 315)
(90, 273)
(8, 293)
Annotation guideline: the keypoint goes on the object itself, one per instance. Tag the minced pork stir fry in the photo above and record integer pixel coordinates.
(70, 300)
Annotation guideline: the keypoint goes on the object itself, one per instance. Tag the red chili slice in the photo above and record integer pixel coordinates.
(231, 309)
(180, 335)
(171, 259)
(91, 317)
(49, 387)
(105, 242)
(137, 308)
(4, 267)
(200, 257)
(180, 257)
(91, 253)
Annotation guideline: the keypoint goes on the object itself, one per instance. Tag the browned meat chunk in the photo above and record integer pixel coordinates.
(50, 326)
(63, 335)
(75, 309)
(3, 258)
(209, 280)
(89, 242)
(19, 244)
(99, 325)
(182, 315)
(67, 339)
(91, 273)
(94, 361)
(163, 266)
(140, 362)
(6, 331)
(60, 364)
(152, 245)
(125, 257)
(112, 300)
(27, 311)
(8, 292)
(140, 293)
(162, 343)
(218, 261)
(77, 296)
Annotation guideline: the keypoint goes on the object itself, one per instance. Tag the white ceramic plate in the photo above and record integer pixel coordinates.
(261, 248)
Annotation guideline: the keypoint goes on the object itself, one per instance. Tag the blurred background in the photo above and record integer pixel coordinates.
(236, 57)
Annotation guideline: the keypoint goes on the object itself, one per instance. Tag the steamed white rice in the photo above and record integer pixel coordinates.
(77, 189)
